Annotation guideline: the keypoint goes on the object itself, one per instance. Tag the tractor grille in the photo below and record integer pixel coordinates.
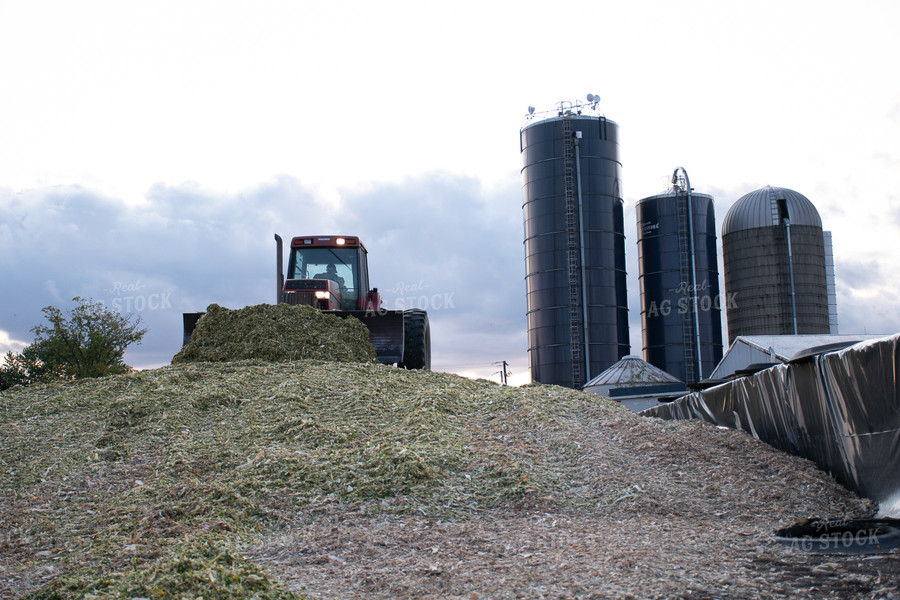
(306, 284)
(303, 297)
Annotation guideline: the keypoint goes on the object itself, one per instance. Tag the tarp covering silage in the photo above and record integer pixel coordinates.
(840, 410)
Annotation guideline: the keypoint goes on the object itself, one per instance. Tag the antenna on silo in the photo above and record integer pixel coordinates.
(567, 107)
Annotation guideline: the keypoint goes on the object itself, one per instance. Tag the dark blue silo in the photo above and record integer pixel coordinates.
(674, 325)
(574, 247)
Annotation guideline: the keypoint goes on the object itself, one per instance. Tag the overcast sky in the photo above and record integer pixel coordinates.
(150, 150)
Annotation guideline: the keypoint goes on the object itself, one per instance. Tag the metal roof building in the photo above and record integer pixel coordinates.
(636, 384)
(762, 349)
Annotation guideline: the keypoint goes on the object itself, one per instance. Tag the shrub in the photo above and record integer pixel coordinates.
(88, 341)
(26, 368)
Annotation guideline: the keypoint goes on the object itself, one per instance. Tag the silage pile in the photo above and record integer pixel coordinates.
(360, 480)
(276, 333)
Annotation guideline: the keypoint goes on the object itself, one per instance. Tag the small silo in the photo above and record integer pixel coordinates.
(574, 246)
(775, 276)
(679, 281)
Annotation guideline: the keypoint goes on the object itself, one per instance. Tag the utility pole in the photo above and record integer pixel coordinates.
(503, 372)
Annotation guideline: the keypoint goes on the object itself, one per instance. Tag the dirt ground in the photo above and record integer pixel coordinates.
(696, 521)
(532, 553)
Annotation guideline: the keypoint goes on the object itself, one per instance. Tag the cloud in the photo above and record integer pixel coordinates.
(893, 212)
(181, 249)
(886, 160)
(858, 275)
(448, 244)
(876, 312)
(893, 112)
(866, 298)
(8, 344)
(440, 241)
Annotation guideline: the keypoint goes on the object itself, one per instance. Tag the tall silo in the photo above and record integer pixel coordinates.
(574, 246)
(679, 280)
(774, 253)
(830, 284)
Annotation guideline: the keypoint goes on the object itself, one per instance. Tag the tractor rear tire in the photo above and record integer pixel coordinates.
(416, 340)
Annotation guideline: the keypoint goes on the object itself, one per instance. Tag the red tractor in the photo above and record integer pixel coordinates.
(331, 273)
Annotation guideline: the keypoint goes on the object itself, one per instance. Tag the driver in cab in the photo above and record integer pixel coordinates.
(331, 273)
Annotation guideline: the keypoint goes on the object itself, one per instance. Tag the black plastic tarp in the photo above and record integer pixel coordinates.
(841, 410)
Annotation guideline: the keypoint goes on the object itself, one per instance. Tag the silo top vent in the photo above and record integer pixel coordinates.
(767, 207)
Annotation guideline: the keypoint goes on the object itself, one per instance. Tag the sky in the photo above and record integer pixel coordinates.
(150, 150)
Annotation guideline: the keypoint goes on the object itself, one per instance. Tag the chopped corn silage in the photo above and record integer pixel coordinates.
(114, 475)
(276, 333)
(194, 569)
(118, 470)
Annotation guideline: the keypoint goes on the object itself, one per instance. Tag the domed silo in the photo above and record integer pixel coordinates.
(775, 279)
(679, 279)
(574, 247)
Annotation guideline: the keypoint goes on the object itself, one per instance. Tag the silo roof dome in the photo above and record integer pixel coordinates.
(760, 209)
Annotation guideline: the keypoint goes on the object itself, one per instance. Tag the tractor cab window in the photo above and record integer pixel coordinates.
(337, 264)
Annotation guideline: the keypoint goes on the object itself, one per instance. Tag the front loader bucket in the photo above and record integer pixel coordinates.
(385, 331)
(190, 323)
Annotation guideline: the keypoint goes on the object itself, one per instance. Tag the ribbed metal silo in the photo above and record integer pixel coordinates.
(773, 249)
(574, 247)
(679, 281)
(830, 284)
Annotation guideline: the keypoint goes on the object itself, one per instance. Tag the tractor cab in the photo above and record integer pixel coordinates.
(328, 272)
(331, 273)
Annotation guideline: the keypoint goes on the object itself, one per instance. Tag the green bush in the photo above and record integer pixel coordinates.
(88, 341)
(26, 368)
